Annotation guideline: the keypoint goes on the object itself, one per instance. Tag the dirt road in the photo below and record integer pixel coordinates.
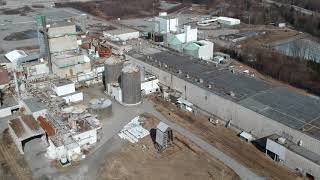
(225, 140)
(182, 160)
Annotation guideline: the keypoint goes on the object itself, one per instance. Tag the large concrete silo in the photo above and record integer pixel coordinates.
(112, 70)
(131, 85)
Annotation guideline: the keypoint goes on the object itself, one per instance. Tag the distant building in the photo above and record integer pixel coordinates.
(229, 21)
(187, 34)
(199, 49)
(121, 34)
(165, 24)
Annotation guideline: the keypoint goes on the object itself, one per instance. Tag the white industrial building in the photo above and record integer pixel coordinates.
(66, 89)
(66, 144)
(187, 34)
(121, 34)
(199, 49)
(222, 20)
(69, 150)
(149, 85)
(165, 24)
(228, 21)
(73, 97)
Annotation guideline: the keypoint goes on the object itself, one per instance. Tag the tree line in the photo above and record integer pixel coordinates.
(297, 72)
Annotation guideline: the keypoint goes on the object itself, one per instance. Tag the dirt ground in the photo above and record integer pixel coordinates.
(183, 160)
(225, 140)
(109, 9)
(12, 164)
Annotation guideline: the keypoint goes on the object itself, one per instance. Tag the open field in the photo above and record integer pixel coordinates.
(183, 160)
(115, 9)
(225, 140)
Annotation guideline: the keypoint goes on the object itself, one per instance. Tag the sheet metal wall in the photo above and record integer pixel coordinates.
(131, 87)
(112, 72)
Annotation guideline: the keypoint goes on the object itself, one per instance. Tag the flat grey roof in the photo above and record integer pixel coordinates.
(120, 30)
(62, 82)
(292, 109)
(9, 101)
(314, 157)
(58, 14)
(34, 104)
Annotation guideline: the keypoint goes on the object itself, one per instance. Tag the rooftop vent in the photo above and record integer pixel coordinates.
(281, 140)
(232, 94)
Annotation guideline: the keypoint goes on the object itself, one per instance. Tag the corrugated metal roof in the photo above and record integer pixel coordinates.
(15, 55)
(46, 126)
(162, 127)
(34, 104)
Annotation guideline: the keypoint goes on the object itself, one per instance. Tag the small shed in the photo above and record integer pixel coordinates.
(164, 136)
(185, 105)
(246, 136)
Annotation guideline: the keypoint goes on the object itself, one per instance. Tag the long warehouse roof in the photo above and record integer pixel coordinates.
(287, 107)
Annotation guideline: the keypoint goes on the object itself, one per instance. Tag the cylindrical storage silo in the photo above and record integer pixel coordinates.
(131, 85)
(112, 70)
